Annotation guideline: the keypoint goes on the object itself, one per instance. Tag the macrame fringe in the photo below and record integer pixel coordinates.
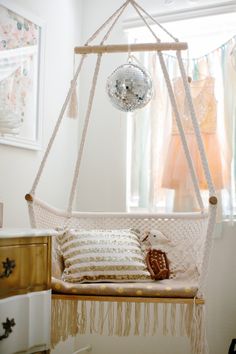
(71, 317)
(64, 320)
(72, 111)
(155, 319)
(127, 325)
(137, 317)
(119, 322)
(197, 333)
(146, 319)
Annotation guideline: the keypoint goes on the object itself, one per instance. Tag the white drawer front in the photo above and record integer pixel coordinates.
(32, 316)
(40, 319)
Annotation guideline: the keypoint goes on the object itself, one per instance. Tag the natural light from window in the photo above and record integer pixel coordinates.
(203, 36)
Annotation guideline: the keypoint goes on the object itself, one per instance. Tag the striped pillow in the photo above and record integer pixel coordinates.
(103, 256)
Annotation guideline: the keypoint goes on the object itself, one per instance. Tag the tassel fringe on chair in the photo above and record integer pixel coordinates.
(123, 319)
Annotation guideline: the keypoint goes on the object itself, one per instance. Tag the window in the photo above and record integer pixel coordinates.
(156, 177)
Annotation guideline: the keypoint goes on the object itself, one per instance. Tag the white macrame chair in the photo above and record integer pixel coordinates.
(193, 230)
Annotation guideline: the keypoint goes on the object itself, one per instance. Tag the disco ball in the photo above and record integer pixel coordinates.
(129, 87)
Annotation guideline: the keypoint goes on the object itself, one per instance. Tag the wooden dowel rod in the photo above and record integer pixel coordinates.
(121, 48)
(165, 300)
(28, 197)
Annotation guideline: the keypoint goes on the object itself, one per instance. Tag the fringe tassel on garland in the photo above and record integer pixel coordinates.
(71, 317)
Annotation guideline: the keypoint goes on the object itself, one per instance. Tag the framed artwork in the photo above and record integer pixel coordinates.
(21, 74)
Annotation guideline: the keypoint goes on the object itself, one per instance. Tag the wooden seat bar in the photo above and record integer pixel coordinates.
(125, 48)
(166, 300)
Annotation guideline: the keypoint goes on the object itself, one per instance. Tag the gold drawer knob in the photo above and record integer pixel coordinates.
(8, 266)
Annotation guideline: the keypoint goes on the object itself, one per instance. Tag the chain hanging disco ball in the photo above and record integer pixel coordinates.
(129, 87)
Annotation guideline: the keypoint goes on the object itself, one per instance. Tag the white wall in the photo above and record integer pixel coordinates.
(19, 166)
(102, 183)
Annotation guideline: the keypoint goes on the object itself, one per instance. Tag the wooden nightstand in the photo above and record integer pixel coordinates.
(25, 295)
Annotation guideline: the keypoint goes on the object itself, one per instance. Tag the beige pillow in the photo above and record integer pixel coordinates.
(103, 256)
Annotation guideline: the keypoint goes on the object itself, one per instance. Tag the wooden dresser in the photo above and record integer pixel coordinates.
(25, 295)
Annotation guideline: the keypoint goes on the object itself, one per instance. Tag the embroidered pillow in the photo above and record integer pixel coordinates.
(103, 256)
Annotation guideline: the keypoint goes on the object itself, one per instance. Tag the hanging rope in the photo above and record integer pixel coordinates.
(188, 95)
(117, 15)
(206, 249)
(212, 208)
(177, 116)
(181, 132)
(72, 111)
(90, 103)
(61, 115)
(196, 126)
(68, 97)
(134, 3)
(96, 33)
(114, 23)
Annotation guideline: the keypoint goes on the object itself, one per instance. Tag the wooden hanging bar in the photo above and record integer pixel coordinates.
(125, 48)
(166, 300)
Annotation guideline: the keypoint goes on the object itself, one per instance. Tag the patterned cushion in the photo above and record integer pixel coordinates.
(103, 255)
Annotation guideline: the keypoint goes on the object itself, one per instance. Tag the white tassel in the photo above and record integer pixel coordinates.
(189, 319)
(181, 317)
(146, 319)
(173, 319)
(92, 316)
(127, 323)
(110, 310)
(165, 319)
(137, 312)
(101, 317)
(119, 316)
(82, 318)
(155, 319)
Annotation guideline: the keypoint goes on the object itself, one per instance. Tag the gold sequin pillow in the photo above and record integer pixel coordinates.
(103, 255)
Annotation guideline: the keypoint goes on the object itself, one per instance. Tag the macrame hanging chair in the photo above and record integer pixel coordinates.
(191, 231)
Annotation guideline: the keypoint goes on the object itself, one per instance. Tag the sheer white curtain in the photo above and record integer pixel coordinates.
(150, 132)
(159, 177)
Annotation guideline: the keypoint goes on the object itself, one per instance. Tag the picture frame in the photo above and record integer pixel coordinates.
(22, 43)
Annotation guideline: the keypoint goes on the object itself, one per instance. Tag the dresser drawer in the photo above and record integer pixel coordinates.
(28, 268)
(30, 318)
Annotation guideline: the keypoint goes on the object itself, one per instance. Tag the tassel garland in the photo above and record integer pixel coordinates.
(71, 317)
